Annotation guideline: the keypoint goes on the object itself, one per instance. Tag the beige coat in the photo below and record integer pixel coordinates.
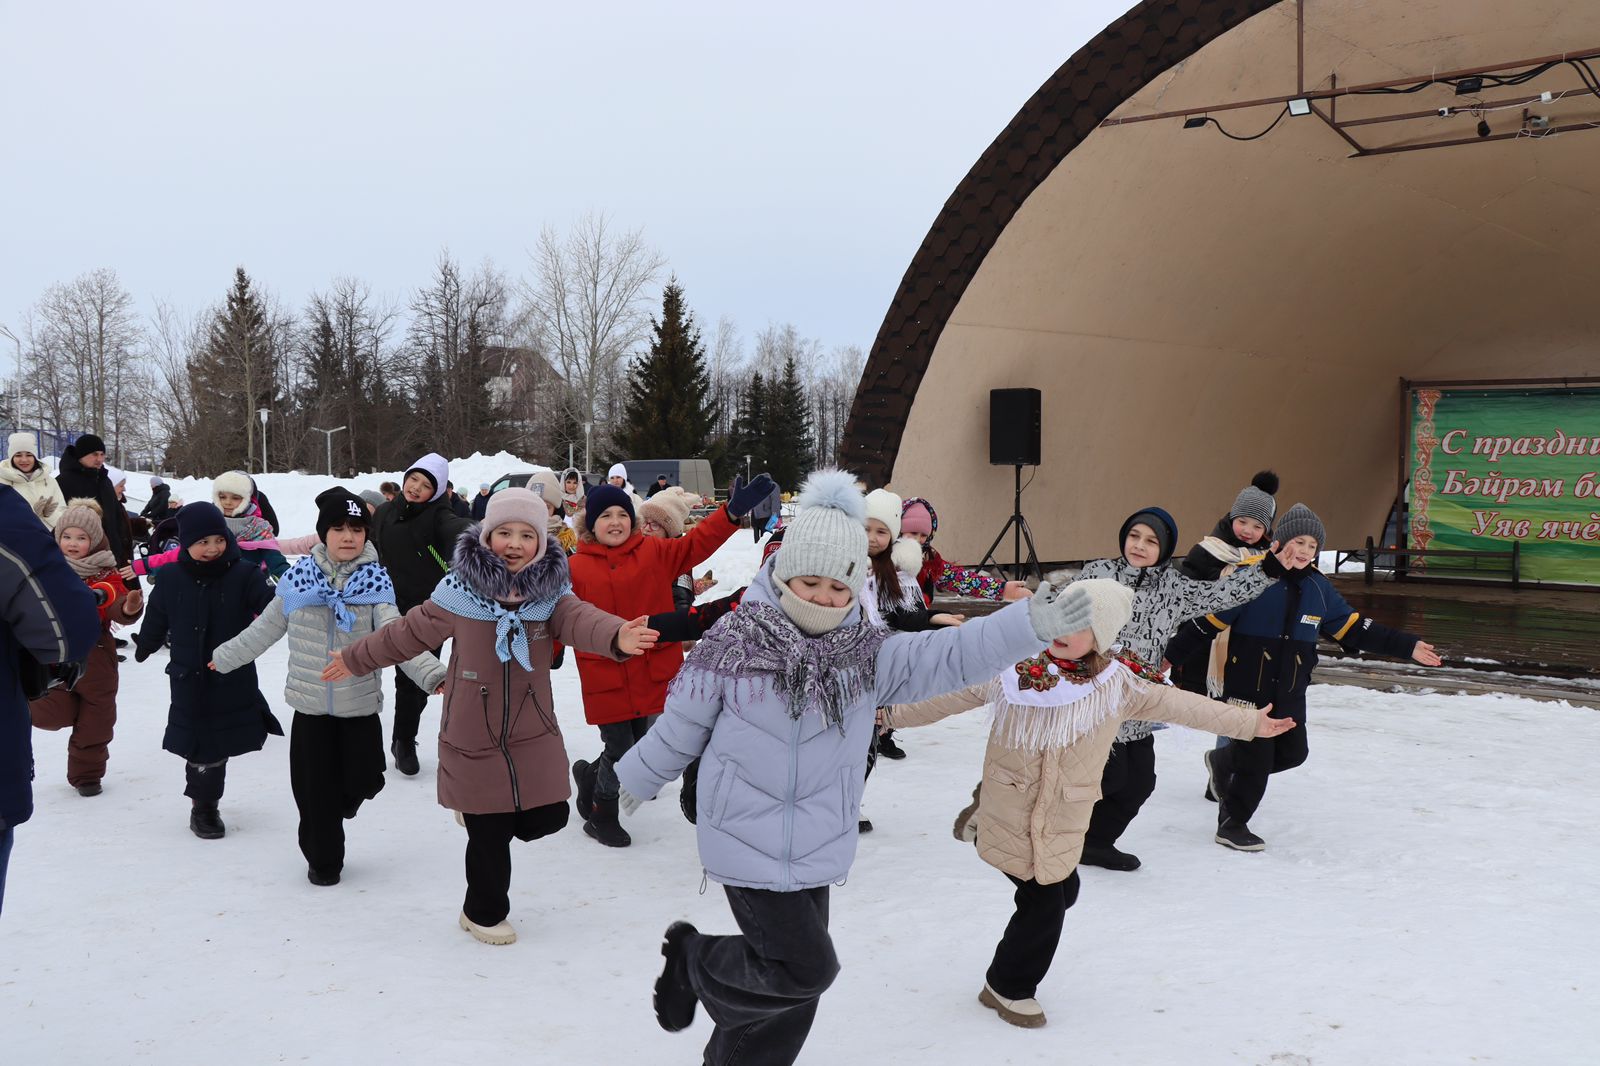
(1035, 805)
(38, 488)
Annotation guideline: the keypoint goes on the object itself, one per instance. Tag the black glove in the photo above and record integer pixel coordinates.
(1272, 567)
(743, 498)
(140, 654)
(559, 658)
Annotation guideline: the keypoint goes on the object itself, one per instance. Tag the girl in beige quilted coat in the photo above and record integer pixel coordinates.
(1055, 717)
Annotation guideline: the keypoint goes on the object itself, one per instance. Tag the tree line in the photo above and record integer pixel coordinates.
(595, 349)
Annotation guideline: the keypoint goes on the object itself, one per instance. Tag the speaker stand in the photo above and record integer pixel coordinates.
(1017, 526)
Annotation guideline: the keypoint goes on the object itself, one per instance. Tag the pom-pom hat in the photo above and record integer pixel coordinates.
(668, 509)
(1256, 500)
(828, 535)
(85, 514)
(885, 507)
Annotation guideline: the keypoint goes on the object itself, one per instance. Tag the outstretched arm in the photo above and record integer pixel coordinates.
(678, 737)
(907, 715)
(268, 628)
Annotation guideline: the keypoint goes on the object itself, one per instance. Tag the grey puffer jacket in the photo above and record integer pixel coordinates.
(1163, 599)
(313, 634)
(780, 797)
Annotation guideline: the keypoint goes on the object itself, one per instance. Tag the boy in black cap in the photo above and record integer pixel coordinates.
(1270, 659)
(207, 598)
(327, 601)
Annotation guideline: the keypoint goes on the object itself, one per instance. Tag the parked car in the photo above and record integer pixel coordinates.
(692, 474)
(518, 479)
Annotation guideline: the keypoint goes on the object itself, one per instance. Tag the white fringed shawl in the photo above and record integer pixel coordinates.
(1050, 711)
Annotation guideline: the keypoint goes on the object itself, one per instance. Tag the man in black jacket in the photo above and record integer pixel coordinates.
(48, 614)
(160, 500)
(83, 476)
(415, 534)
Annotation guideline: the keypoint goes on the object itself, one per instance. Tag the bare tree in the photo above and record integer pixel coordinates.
(727, 373)
(455, 323)
(84, 337)
(588, 307)
(176, 339)
(832, 392)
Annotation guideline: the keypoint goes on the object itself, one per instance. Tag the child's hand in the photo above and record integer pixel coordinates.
(440, 690)
(211, 666)
(1267, 726)
(126, 573)
(1016, 590)
(636, 637)
(943, 619)
(1424, 654)
(336, 670)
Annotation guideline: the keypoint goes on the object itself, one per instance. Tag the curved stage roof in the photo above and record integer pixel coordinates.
(1195, 307)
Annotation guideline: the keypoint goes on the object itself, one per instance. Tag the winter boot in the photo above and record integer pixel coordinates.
(1211, 776)
(966, 827)
(320, 879)
(497, 934)
(405, 756)
(1237, 835)
(888, 749)
(1023, 1013)
(583, 773)
(206, 823)
(674, 997)
(89, 788)
(689, 795)
(1107, 857)
(604, 827)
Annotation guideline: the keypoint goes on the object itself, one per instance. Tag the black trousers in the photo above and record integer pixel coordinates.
(1127, 781)
(203, 782)
(489, 856)
(409, 700)
(1028, 947)
(761, 988)
(1246, 764)
(334, 765)
(619, 739)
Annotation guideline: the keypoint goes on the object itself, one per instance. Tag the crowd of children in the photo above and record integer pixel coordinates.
(793, 688)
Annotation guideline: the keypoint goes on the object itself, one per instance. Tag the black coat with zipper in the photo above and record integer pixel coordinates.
(415, 542)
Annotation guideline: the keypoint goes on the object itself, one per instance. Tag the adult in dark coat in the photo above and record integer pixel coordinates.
(198, 605)
(47, 613)
(160, 501)
(415, 534)
(83, 475)
(480, 503)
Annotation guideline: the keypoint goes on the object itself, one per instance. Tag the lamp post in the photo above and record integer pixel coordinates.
(327, 435)
(747, 470)
(587, 427)
(263, 413)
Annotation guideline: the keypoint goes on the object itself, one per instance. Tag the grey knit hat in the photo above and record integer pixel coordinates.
(1299, 521)
(828, 536)
(1257, 500)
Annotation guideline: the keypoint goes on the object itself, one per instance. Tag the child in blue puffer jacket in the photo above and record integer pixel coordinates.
(780, 700)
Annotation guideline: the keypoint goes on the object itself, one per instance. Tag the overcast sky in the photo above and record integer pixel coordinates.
(786, 159)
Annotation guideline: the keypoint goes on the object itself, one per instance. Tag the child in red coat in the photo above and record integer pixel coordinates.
(619, 569)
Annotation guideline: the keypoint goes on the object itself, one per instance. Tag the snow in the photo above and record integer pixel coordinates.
(1426, 897)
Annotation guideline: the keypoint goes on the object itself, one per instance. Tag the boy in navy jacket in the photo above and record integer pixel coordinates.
(1271, 654)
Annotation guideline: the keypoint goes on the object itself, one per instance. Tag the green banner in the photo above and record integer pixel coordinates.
(1490, 467)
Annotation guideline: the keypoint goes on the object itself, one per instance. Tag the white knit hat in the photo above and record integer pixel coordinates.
(22, 442)
(885, 506)
(617, 470)
(828, 536)
(669, 509)
(236, 482)
(1110, 607)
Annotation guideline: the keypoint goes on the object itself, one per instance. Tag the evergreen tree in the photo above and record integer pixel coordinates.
(750, 427)
(790, 443)
(669, 411)
(232, 376)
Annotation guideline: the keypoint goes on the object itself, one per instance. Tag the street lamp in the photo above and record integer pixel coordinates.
(263, 413)
(587, 426)
(747, 470)
(327, 435)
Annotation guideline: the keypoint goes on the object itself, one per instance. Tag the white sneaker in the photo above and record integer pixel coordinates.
(460, 819)
(501, 933)
(1023, 1013)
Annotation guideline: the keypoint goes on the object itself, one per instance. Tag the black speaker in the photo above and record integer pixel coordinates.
(1015, 416)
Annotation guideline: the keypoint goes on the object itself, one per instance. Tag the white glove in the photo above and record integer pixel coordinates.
(1055, 613)
(627, 802)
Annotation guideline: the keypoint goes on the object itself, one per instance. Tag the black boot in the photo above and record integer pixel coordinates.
(405, 756)
(1107, 857)
(583, 772)
(690, 794)
(888, 749)
(603, 824)
(674, 997)
(206, 823)
(1236, 835)
(1211, 775)
(320, 879)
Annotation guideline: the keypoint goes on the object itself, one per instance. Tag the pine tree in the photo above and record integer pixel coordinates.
(669, 411)
(750, 427)
(233, 376)
(790, 443)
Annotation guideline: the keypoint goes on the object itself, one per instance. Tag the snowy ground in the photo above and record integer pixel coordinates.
(1427, 897)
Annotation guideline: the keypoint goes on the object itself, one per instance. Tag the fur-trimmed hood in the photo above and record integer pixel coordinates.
(487, 574)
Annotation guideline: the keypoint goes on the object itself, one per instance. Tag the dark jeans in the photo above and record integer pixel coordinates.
(1127, 781)
(619, 739)
(6, 836)
(1245, 765)
(204, 783)
(761, 988)
(334, 765)
(409, 700)
(1025, 952)
(489, 855)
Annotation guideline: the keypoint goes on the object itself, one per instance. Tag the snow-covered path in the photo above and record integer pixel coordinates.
(1428, 896)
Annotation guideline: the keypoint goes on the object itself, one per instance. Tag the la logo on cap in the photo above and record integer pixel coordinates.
(353, 508)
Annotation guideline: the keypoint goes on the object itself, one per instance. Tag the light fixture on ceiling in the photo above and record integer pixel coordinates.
(1299, 107)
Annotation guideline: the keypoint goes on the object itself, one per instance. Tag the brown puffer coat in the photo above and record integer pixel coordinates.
(1035, 805)
(500, 746)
